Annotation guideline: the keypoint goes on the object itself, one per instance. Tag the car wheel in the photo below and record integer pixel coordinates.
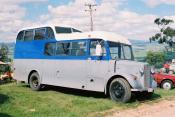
(167, 85)
(34, 81)
(120, 90)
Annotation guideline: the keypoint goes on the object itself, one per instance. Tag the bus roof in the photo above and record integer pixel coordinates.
(107, 36)
(47, 25)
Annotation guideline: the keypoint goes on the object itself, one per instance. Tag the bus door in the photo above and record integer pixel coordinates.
(97, 68)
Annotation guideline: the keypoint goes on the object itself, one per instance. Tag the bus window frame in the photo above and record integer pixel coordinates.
(40, 29)
(122, 51)
(46, 33)
(25, 33)
(70, 41)
(104, 45)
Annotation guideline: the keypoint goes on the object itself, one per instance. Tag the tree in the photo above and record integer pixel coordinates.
(156, 59)
(166, 34)
(4, 50)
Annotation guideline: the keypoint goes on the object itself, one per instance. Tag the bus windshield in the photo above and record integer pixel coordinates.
(120, 51)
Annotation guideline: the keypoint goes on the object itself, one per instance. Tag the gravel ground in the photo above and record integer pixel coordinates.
(164, 108)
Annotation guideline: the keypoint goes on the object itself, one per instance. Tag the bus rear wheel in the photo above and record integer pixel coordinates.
(34, 81)
(120, 90)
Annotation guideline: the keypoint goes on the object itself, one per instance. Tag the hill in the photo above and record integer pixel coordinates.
(141, 47)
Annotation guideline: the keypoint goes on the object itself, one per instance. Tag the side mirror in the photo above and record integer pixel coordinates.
(98, 50)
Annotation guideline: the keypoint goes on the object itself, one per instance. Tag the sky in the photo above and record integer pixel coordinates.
(133, 19)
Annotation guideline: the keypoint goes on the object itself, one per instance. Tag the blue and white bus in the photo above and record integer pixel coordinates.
(95, 61)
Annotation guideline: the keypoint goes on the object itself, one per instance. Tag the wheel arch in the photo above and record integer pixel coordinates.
(166, 80)
(111, 79)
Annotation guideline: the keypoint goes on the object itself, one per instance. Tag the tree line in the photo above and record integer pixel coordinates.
(165, 35)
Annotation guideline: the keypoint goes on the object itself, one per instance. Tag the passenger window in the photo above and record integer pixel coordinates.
(63, 30)
(28, 35)
(78, 49)
(50, 49)
(39, 34)
(62, 49)
(50, 33)
(20, 35)
(93, 44)
(71, 49)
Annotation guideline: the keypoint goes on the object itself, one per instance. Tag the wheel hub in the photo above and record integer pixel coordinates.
(167, 86)
(118, 90)
(35, 82)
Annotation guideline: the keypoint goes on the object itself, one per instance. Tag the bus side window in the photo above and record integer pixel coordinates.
(63, 49)
(59, 30)
(78, 48)
(39, 34)
(28, 35)
(49, 33)
(71, 49)
(20, 36)
(50, 49)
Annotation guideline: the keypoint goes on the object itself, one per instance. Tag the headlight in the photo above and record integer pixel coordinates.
(152, 70)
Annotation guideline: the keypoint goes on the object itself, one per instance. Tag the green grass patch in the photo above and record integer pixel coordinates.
(21, 101)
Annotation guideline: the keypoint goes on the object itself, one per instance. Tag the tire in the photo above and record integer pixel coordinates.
(34, 81)
(120, 90)
(167, 85)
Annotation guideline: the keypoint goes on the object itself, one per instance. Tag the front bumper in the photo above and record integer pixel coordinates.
(141, 90)
(151, 89)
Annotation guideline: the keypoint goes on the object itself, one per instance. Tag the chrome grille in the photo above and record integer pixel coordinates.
(147, 76)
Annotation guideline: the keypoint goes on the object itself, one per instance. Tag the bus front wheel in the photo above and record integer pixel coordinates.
(120, 90)
(34, 81)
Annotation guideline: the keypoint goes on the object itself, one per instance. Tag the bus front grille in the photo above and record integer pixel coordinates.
(147, 76)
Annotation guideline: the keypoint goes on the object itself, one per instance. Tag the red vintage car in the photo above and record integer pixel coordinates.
(165, 81)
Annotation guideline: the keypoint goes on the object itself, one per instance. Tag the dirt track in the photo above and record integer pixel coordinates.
(165, 108)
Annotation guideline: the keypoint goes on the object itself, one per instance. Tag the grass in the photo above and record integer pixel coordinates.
(21, 101)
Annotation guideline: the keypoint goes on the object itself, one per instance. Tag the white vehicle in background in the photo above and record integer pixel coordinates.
(95, 61)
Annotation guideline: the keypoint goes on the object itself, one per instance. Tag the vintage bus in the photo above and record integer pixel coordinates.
(94, 61)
